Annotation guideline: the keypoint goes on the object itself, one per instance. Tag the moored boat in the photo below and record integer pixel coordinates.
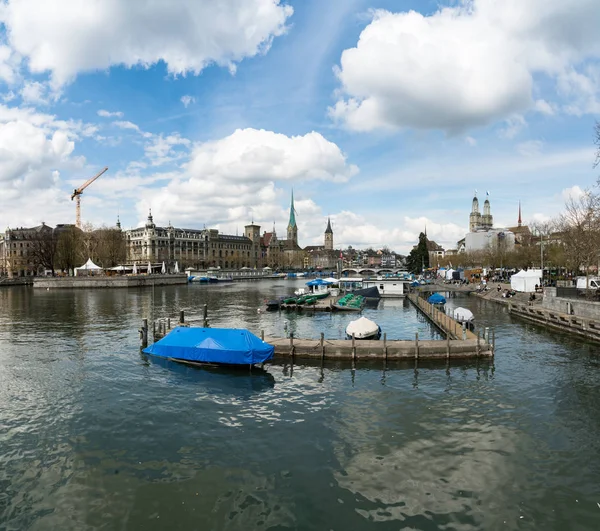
(350, 302)
(220, 346)
(363, 328)
(464, 316)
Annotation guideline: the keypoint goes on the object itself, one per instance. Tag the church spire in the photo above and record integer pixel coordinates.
(328, 230)
(519, 214)
(292, 222)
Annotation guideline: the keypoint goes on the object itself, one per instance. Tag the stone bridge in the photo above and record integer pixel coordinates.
(371, 271)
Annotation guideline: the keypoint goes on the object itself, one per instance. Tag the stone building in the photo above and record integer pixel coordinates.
(477, 221)
(197, 248)
(482, 234)
(17, 250)
(322, 256)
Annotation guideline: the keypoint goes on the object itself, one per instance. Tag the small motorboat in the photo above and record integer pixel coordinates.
(273, 304)
(363, 328)
(218, 346)
(464, 316)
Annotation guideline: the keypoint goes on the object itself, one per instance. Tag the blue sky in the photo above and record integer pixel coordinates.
(384, 115)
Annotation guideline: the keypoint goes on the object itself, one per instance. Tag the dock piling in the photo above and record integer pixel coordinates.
(262, 335)
(153, 330)
(478, 342)
(292, 345)
(464, 331)
(353, 348)
(205, 316)
(322, 346)
(447, 346)
(493, 341)
(181, 317)
(385, 350)
(168, 323)
(144, 333)
(416, 345)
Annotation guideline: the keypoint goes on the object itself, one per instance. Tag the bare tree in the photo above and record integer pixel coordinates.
(110, 247)
(597, 142)
(43, 250)
(580, 228)
(69, 249)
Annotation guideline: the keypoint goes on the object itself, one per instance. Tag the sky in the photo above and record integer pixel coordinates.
(386, 116)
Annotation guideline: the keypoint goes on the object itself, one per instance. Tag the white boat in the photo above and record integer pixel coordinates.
(464, 316)
(363, 328)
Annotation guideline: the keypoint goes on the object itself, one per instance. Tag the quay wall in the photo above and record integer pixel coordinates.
(578, 307)
(573, 324)
(129, 281)
(16, 281)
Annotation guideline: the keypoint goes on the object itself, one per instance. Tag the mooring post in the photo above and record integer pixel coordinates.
(205, 316)
(322, 346)
(168, 323)
(353, 348)
(292, 344)
(154, 331)
(493, 341)
(181, 317)
(416, 345)
(464, 330)
(262, 335)
(144, 333)
(385, 346)
(448, 346)
(478, 342)
(487, 334)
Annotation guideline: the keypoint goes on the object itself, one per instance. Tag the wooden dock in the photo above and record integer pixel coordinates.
(347, 349)
(458, 344)
(446, 324)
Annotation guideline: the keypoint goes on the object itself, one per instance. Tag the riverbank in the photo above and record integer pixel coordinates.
(17, 281)
(124, 281)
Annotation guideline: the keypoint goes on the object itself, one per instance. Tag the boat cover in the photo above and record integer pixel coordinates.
(362, 327)
(462, 314)
(318, 282)
(436, 298)
(212, 345)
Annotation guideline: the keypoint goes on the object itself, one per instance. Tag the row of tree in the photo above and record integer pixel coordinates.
(69, 247)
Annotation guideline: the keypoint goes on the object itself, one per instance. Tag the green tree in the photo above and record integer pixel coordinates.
(418, 259)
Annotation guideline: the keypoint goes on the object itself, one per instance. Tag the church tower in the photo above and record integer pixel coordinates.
(475, 216)
(292, 229)
(487, 221)
(328, 236)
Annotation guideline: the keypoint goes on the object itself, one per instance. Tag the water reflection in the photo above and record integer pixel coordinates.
(239, 382)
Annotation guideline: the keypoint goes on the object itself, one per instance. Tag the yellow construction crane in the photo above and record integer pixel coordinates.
(77, 195)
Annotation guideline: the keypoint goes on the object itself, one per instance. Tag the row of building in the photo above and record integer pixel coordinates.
(483, 235)
(196, 248)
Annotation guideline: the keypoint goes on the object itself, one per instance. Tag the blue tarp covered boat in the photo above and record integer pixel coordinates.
(228, 346)
(436, 298)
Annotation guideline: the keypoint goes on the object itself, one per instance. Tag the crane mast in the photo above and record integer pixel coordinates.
(77, 196)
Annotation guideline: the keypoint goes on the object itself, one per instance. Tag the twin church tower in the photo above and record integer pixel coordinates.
(478, 221)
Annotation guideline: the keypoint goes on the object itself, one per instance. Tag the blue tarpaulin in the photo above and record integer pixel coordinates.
(318, 282)
(436, 298)
(212, 345)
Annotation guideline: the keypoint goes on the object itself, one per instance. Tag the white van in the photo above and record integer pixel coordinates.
(582, 283)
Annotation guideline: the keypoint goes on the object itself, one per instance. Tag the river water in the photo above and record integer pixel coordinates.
(94, 435)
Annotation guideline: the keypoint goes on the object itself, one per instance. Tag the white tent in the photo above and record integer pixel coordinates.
(449, 274)
(149, 268)
(526, 281)
(176, 270)
(134, 268)
(88, 268)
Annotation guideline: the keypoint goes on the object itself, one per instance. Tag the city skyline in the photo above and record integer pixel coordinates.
(382, 116)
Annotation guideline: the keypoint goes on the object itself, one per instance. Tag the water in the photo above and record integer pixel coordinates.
(95, 436)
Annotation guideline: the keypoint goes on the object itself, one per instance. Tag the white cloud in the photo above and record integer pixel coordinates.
(187, 99)
(543, 107)
(574, 192)
(240, 172)
(471, 141)
(8, 64)
(468, 65)
(108, 114)
(66, 38)
(162, 149)
(530, 148)
(34, 92)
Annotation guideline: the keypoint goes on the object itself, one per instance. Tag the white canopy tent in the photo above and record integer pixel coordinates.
(526, 281)
(135, 271)
(89, 268)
